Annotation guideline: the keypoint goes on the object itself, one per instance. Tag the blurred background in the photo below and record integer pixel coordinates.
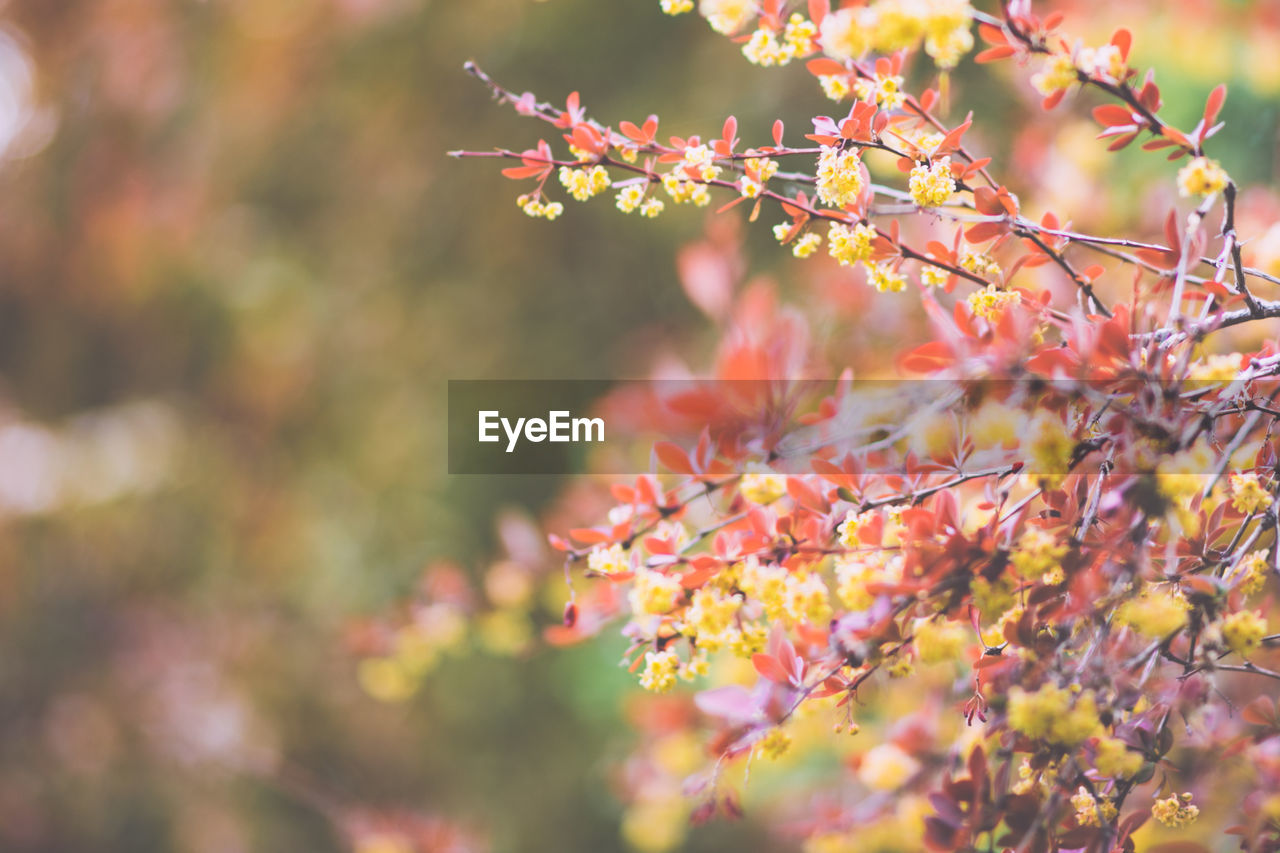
(236, 271)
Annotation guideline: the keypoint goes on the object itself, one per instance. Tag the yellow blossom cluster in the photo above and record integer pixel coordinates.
(1051, 714)
(1175, 812)
(1089, 810)
(1049, 447)
(1056, 74)
(990, 302)
(1037, 554)
(535, 207)
(1202, 177)
(1155, 613)
(709, 621)
(798, 39)
(1243, 631)
(727, 16)
(890, 25)
(839, 176)
(676, 7)
(610, 560)
(654, 593)
(931, 184)
(850, 245)
(994, 425)
(683, 190)
(1116, 760)
(774, 744)
(937, 641)
(1247, 494)
(1253, 573)
(931, 276)
(855, 572)
(1105, 61)
(981, 263)
(885, 279)
(660, 670)
(761, 485)
(887, 767)
(582, 184)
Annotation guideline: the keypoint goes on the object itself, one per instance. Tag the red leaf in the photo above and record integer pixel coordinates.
(673, 457)
(1214, 105)
(1108, 115)
(1123, 39)
(928, 358)
(770, 668)
(777, 133)
(588, 535)
(995, 54)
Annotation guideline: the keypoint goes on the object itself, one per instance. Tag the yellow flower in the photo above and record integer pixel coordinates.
(981, 264)
(800, 36)
(1086, 808)
(1253, 573)
(660, 670)
(1049, 446)
(885, 279)
(709, 621)
(992, 597)
(1201, 176)
(1217, 368)
(582, 184)
(939, 641)
(1155, 614)
(1050, 714)
(850, 245)
(654, 593)
(727, 16)
(888, 91)
(1175, 812)
(897, 27)
(630, 197)
(1038, 552)
(764, 50)
(990, 302)
(536, 208)
(839, 176)
(1247, 494)
(676, 7)
(608, 560)
(835, 87)
(1243, 631)
(994, 425)
(651, 207)
(683, 190)
(806, 245)
(1116, 760)
(807, 599)
(1057, 73)
(766, 584)
(932, 184)
(932, 276)
(760, 485)
(1105, 61)
(846, 34)
(774, 744)
(887, 767)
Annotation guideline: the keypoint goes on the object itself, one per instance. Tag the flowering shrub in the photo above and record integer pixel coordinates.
(1050, 653)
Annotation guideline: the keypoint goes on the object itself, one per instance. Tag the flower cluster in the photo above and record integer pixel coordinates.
(1032, 587)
